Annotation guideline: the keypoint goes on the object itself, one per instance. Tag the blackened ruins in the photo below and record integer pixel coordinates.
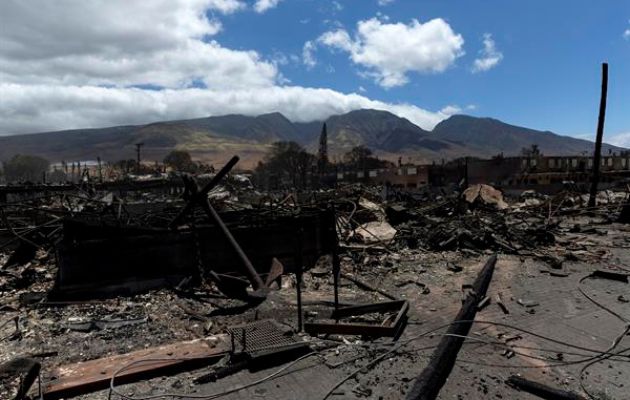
(213, 289)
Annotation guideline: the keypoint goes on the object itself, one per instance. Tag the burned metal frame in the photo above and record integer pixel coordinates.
(363, 329)
(259, 336)
(127, 259)
(148, 257)
(393, 330)
(200, 198)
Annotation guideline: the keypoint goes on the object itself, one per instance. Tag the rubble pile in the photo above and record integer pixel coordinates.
(478, 219)
(337, 293)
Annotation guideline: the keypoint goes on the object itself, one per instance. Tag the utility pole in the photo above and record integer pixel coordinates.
(600, 136)
(138, 146)
(323, 151)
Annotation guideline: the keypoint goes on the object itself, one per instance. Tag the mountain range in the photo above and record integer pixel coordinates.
(215, 139)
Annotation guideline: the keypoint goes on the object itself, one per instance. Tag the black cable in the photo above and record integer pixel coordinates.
(605, 355)
(112, 388)
(428, 333)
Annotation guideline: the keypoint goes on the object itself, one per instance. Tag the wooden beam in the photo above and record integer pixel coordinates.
(90, 376)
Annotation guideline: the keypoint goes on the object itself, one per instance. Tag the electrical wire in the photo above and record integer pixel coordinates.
(511, 347)
(6, 222)
(615, 343)
(16, 320)
(112, 388)
(370, 364)
(620, 317)
(514, 327)
(432, 331)
(554, 365)
(623, 358)
(599, 356)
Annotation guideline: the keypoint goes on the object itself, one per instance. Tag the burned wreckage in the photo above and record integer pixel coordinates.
(351, 292)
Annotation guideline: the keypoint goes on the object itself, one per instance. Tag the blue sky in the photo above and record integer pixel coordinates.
(549, 77)
(538, 62)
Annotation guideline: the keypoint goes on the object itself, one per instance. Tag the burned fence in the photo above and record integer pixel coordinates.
(101, 258)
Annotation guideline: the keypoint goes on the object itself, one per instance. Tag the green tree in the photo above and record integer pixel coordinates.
(287, 164)
(24, 167)
(361, 157)
(531, 151)
(180, 160)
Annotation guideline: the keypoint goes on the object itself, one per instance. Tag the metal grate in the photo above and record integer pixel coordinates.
(259, 335)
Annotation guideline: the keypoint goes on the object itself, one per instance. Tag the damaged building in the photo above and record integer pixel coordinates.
(214, 290)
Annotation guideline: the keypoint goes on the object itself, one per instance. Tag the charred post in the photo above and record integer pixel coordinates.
(600, 136)
(433, 377)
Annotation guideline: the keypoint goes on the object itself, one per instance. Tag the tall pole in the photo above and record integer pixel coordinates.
(323, 151)
(600, 136)
(138, 145)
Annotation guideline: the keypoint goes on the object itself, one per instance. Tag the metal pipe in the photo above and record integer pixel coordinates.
(203, 193)
(253, 276)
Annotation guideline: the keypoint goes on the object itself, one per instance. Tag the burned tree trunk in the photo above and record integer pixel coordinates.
(433, 377)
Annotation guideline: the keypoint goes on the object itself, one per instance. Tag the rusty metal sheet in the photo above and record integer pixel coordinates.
(89, 376)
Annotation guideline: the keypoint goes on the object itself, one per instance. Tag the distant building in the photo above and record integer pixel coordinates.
(409, 176)
(532, 171)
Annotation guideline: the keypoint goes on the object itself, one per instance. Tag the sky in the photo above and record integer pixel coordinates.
(69, 64)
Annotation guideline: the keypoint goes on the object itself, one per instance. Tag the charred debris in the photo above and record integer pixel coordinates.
(216, 290)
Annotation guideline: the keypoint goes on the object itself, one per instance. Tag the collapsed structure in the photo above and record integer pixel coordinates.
(219, 291)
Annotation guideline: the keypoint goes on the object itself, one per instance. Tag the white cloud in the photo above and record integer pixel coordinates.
(489, 56)
(384, 2)
(97, 43)
(224, 6)
(80, 64)
(391, 51)
(33, 108)
(339, 39)
(263, 5)
(308, 56)
(451, 110)
(41, 30)
(620, 139)
(626, 34)
(381, 16)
